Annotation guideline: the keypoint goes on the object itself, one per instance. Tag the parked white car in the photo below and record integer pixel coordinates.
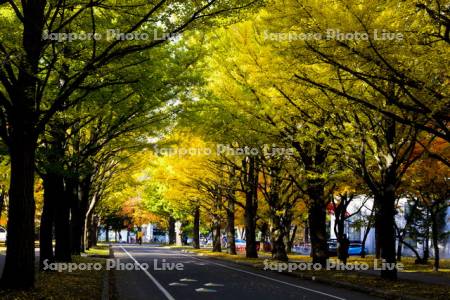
(2, 234)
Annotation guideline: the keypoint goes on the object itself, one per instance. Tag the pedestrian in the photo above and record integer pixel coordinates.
(139, 237)
(224, 241)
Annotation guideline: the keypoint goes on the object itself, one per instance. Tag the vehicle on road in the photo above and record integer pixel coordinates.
(355, 248)
(240, 245)
(205, 242)
(2, 234)
(332, 247)
(302, 248)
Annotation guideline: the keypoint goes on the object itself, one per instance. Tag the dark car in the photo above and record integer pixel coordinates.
(332, 247)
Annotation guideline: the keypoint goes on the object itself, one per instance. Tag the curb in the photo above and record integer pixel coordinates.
(350, 286)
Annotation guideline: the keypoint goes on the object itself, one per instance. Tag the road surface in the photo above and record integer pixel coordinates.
(203, 278)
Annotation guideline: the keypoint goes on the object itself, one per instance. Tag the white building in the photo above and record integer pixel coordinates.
(357, 232)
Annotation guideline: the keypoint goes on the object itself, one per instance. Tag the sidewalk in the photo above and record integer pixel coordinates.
(424, 277)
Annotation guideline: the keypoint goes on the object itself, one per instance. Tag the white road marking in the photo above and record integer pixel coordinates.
(177, 284)
(213, 284)
(188, 280)
(269, 278)
(203, 290)
(158, 285)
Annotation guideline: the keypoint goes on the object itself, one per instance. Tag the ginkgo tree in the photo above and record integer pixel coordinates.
(251, 86)
(375, 60)
(342, 102)
(43, 72)
(172, 189)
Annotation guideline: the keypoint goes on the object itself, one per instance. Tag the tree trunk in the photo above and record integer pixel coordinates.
(231, 231)
(378, 234)
(76, 220)
(178, 233)
(62, 221)
(264, 228)
(89, 225)
(399, 248)
(290, 240)
(426, 244)
(366, 234)
(277, 236)
(340, 235)
(19, 266)
(79, 208)
(172, 233)
(107, 233)
(53, 183)
(386, 206)
(76, 229)
(385, 200)
(317, 223)
(216, 236)
(47, 220)
(196, 233)
(251, 205)
(93, 230)
(317, 232)
(19, 263)
(435, 238)
(250, 228)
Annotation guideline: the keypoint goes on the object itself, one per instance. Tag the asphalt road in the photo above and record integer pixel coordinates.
(203, 278)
